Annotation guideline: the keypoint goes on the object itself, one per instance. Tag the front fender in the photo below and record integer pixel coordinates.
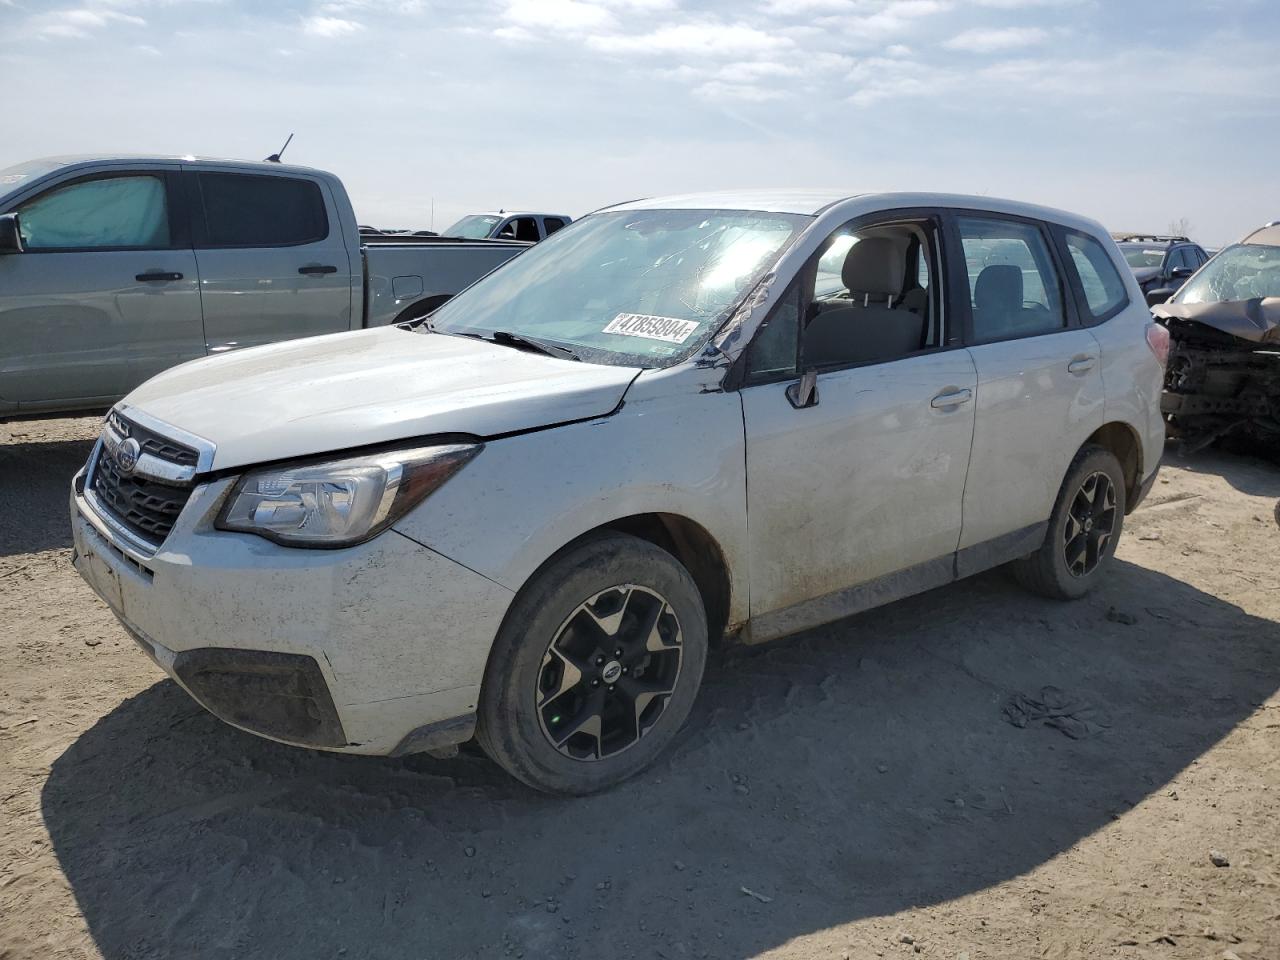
(528, 495)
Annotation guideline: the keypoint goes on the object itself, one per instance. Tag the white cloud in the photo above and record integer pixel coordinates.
(330, 27)
(980, 40)
(707, 38)
(81, 21)
(557, 14)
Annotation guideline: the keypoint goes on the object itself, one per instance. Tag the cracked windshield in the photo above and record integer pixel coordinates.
(640, 288)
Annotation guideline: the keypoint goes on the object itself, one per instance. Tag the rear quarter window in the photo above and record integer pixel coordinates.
(242, 210)
(1100, 282)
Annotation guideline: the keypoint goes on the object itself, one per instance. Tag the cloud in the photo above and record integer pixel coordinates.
(980, 40)
(711, 38)
(557, 14)
(81, 21)
(329, 27)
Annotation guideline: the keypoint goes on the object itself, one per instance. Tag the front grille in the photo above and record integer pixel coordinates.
(151, 442)
(146, 506)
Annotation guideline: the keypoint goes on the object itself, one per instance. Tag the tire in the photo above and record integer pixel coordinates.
(1060, 569)
(548, 669)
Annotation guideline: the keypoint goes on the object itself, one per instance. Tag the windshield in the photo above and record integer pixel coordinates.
(1140, 255)
(13, 179)
(473, 228)
(1242, 272)
(634, 288)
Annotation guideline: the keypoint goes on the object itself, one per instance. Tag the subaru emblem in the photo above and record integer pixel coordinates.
(126, 455)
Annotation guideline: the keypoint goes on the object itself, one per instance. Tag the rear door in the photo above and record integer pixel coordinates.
(274, 264)
(1039, 392)
(105, 294)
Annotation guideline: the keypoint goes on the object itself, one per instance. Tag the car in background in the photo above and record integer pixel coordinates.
(526, 517)
(1161, 264)
(1223, 375)
(113, 268)
(523, 227)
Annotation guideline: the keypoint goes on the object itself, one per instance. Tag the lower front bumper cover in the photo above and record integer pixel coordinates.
(279, 695)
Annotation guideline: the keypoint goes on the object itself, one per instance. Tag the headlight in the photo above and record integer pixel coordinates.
(340, 502)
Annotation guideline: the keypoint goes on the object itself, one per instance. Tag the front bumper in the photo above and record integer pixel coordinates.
(378, 648)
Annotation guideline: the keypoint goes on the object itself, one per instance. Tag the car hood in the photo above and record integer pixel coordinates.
(1256, 320)
(1144, 274)
(347, 390)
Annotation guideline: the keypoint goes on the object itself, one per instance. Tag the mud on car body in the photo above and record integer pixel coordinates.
(1223, 375)
(526, 517)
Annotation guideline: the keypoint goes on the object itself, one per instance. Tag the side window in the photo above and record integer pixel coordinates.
(110, 213)
(871, 299)
(1103, 289)
(552, 224)
(527, 229)
(242, 210)
(774, 349)
(1013, 286)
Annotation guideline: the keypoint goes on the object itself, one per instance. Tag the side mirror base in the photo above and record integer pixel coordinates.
(804, 392)
(10, 235)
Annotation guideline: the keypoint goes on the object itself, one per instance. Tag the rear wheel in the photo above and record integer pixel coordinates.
(595, 668)
(1083, 530)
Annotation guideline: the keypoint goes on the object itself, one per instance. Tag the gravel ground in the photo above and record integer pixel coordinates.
(853, 792)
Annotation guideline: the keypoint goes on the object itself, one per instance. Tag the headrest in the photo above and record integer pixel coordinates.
(875, 266)
(999, 287)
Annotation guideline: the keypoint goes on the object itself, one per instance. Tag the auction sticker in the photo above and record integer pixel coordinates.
(669, 329)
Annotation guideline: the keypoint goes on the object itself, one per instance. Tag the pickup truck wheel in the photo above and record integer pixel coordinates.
(595, 668)
(1083, 530)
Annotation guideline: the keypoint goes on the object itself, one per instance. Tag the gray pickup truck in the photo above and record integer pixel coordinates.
(115, 268)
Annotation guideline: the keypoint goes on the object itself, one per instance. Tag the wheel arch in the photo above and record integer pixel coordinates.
(690, 543)
(1123, 441)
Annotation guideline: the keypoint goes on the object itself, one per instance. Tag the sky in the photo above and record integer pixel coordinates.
(1140, 113)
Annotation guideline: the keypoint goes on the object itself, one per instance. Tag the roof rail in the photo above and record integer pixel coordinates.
(1149, 238)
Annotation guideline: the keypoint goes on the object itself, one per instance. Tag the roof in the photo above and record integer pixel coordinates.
(516, 213)
(813, 202)
(1268, 235)
(127, 158)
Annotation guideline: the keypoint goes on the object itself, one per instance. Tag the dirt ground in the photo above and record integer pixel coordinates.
(860, 781)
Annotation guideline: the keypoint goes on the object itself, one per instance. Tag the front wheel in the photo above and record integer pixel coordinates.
(1083, 529)
(595, 668)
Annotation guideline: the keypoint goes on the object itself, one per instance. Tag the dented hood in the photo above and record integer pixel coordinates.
(347, 390)
(1257, 320)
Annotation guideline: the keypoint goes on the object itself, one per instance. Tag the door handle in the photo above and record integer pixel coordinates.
(317, 270)
(1081, 365)
(952, 399)
(157, 276)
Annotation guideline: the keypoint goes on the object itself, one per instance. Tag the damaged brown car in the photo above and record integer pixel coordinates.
(1223, 374)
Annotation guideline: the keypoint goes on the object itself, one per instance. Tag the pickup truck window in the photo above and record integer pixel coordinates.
(524, 229)
(633, 287)
(552, 224)
(242, 210)
(108, 213)
(471, 228)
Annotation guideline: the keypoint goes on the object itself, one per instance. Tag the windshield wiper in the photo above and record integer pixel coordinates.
(521, 342)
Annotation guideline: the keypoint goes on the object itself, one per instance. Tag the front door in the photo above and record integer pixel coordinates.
(105, 294)
(273, 261)
(860, 482)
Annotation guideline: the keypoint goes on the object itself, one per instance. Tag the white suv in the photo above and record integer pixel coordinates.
(525, 518)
